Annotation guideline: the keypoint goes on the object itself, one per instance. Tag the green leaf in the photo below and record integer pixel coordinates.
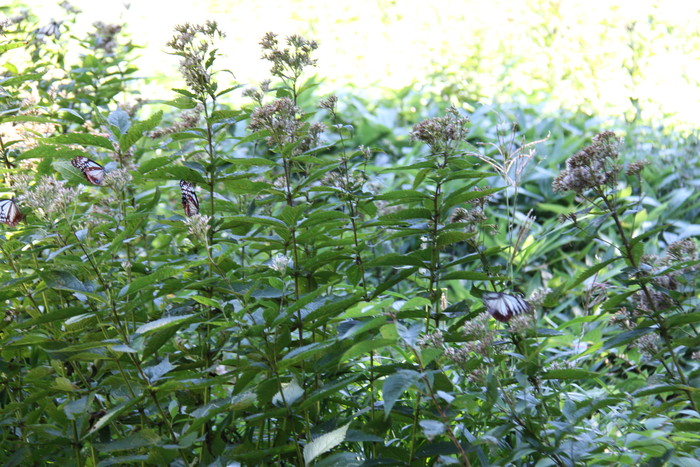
(84, 139)
(324, 443)
(135, 132)
(395, 259)
(143, 438)
(627, 336)
(589, 272)
(140, 283)
(113, 413)
(407, 214)
(364, 348)
(466, 276)
(64, 280)
(120, 121)
(395, 385)
(681, 319)
(164, 323)
(405, 196)
(571, 373)
(451, 237)
(461, 198)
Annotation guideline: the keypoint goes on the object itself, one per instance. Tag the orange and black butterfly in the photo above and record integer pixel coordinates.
(94, 172)
(190, 203)
(9, 212)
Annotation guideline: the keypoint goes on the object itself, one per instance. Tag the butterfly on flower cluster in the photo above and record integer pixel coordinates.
(93, 172)
(190, 203)
(9, 212)
(503, 306)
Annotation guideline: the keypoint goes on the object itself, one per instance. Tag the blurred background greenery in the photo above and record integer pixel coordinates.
(638, 61)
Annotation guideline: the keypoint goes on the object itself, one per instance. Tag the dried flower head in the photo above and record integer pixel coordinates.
(481, 336)
(647, 344)
(329, 103)
(457, 355)
(592, 167)
(636, 167)
(442, 134)
(433, 339)
(538, 296)
(194, 43)
(198, 226)
(279, 263)
(105, 36)
(284, 121)
(682, 250)
(118, 179)
(50, 199)
(288, 63)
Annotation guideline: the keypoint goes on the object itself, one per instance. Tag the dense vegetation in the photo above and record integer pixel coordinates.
(316, 297)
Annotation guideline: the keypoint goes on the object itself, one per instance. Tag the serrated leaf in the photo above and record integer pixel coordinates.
(84, 139)
(324, 443)
(451, 237)
(135, 132)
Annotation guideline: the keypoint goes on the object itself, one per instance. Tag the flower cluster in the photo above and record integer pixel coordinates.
(442, 134)
(49, 199)
(279, 263)
(118, 179)
(198, 226)
(105, 36)
(482, 337)
(193, 43)
(258, 94)
(288, 63)
(592, 167)
(284, 121)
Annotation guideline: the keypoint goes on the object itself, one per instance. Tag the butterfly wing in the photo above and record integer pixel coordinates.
(93, 172)
(503, 306)
(190, 203)
(10, 213)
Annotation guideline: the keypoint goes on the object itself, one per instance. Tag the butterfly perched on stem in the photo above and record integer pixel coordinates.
(503, 306)
(9, 212)
(190, 203)
(93, 172)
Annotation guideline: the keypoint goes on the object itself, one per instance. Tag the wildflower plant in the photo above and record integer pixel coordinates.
(287, 281)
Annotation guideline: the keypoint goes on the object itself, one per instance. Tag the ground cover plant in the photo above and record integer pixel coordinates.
(262, 275)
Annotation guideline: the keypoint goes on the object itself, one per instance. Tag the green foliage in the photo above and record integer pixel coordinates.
(317, 302)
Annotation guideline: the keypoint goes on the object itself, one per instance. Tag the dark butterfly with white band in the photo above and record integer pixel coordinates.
(503, 306)
(9, 212)
(190, 203)
(93, 172)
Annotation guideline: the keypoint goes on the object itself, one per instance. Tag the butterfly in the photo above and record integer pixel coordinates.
(93, 171)
(51, 29)
(9, 212)
(190, 203)
(503, 306)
